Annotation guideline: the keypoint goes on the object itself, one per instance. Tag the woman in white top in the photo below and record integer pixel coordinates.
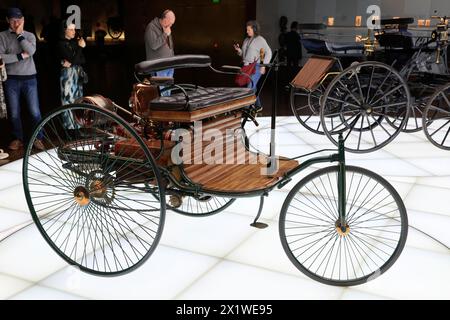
(251, 51)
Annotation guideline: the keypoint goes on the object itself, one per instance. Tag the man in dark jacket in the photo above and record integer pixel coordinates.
(293, 48)
(159, 42)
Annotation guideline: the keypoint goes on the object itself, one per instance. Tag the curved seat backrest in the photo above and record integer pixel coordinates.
(175, 62)
(313, 72)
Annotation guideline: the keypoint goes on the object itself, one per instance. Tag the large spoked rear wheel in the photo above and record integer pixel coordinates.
(372, 240)
(88, 190)
(436, 118)
(368, 98)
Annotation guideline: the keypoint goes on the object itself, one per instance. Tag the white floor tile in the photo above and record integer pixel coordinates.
(417, 274)
(352, 294)
(281, 138)
(216, 235)
(14, 198)
(441, 181)
(436, 166)
(402, 188)
(408, 180)
(9, 179)
(42, 293)
(415, 150)
(10, 218)
(234, 281)
(9, 286)
(163, 276)
(293, 150)
(15, 166)
(435, 225)
(264, 250)
(429, 199)
(28, 256)
(390, 167)
(272, 205)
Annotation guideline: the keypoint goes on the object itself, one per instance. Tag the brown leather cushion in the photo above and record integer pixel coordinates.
(200, 98)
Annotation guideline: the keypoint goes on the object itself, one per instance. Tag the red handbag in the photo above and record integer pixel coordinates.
(244, 76)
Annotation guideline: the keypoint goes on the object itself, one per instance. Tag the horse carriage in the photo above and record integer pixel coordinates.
(99, 193)
(393, 86)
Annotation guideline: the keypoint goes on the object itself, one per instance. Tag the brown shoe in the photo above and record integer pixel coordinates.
(39, 145)
(15, 145)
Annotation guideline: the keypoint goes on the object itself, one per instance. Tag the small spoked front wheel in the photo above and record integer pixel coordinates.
(88, 190)
(320, 246)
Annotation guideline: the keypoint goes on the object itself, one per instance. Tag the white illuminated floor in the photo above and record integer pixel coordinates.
(222, 257)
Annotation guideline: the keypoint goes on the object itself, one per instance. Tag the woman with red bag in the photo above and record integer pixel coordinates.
(251, 51)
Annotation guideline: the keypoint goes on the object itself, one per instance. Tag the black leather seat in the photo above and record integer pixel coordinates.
(200, 98)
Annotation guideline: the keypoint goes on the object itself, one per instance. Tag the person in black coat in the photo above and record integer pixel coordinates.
(293, 47)
(72, 77)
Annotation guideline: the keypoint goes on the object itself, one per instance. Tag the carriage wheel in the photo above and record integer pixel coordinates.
(366, 97)
(436, 119)
(198, 206)
(306, 108)
(375, 233)
(413, 121)
(87, 191)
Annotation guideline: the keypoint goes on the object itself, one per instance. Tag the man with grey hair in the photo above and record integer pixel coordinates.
(159, 42)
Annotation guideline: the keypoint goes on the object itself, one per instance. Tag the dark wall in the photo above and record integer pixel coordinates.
(201, 27)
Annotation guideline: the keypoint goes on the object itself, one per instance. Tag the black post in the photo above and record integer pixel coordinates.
(272, 166)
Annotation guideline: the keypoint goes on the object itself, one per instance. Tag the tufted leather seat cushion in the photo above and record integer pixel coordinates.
(200, 98)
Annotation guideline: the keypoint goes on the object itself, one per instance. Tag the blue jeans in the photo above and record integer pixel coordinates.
(14, 90)
(254, 83)
(168, 73)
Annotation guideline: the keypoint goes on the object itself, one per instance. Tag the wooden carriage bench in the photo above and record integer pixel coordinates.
(218, 108)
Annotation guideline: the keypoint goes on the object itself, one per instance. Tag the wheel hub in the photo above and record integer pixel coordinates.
(343, 231)
(81, 196)
(368, 109)
(98, 189)
(175, 201)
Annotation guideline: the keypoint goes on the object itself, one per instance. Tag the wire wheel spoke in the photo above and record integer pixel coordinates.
(87, 190)
(317, 244)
